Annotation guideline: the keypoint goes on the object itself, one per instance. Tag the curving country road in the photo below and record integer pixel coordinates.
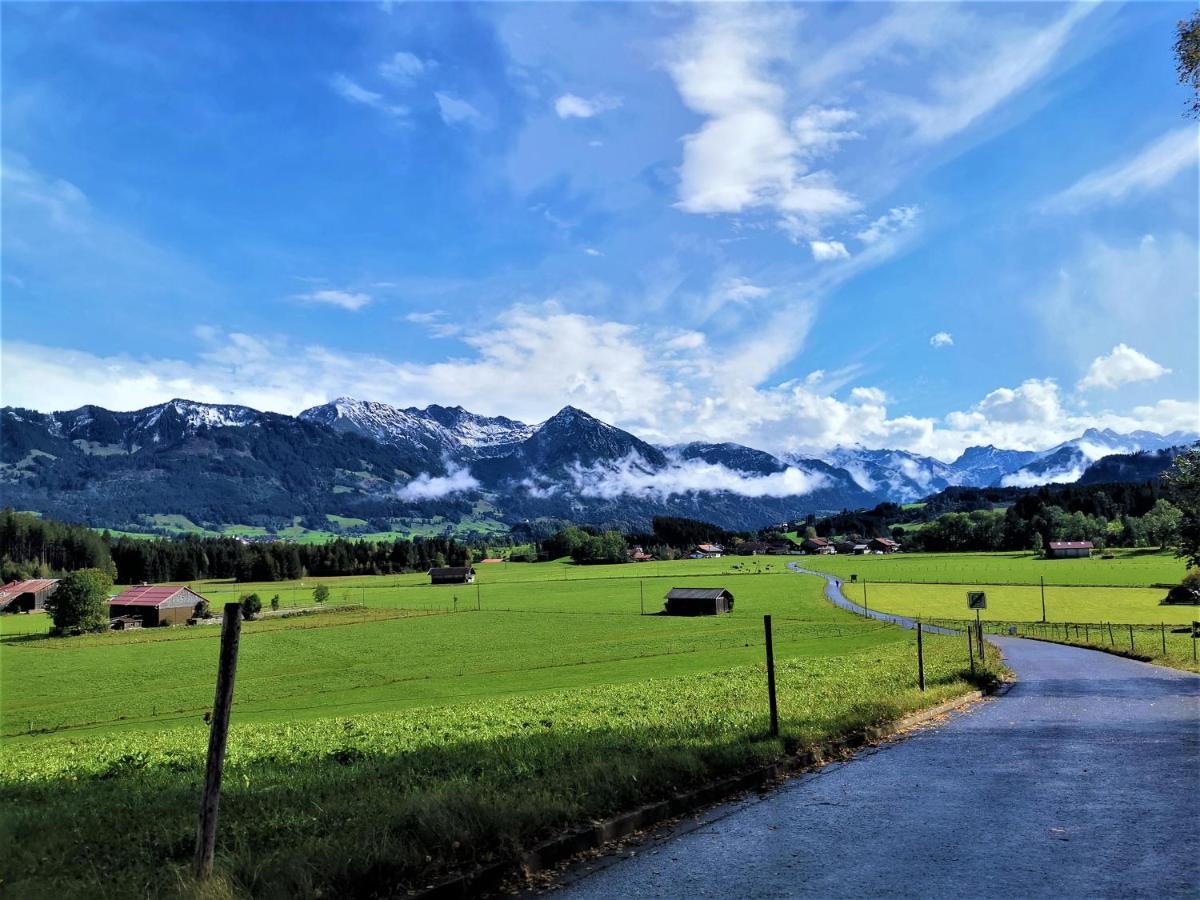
(1082, 780)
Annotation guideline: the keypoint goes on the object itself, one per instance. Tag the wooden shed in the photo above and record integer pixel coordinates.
(169, 604)
(698, 602)
(1069, 550)
(883, 545)
(452, 575)
(28, 595)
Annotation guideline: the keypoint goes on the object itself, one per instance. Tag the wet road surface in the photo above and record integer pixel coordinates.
(1082, 780)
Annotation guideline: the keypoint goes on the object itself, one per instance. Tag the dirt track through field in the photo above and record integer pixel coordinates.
(1081, 780)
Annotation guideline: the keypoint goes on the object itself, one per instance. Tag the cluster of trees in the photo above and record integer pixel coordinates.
(586, 546)
(31, 547)
(670, 537)
(1009, 530)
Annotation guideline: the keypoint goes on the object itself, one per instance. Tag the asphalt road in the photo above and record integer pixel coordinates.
(1081, 780)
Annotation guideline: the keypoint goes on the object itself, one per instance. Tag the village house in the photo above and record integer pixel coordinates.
(708, 551)
(753, 548)
(170, 604)
(452, 575)
(698, 602)
(26, 596)
(817, 545)
(883, 545)
(637, 554)
(1069, 550)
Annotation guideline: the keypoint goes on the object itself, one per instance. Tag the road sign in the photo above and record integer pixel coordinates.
(1196, 629)
(853, 577)
(976, 600)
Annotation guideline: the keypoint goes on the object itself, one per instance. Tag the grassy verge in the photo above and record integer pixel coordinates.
(388, 803)
(1163, 644)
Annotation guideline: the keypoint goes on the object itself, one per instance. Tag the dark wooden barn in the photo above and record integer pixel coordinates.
(26, 596)
(452, 575)
(698, 601)
(170, 604)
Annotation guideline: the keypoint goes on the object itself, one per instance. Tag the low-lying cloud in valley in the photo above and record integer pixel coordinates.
(457, 480)
(632, 476)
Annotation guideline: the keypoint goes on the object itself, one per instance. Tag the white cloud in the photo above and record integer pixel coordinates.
(456, 111)
(742, 289)
(632, 476)
(942, 339)
(665, 386)
(457, 480)
(1122, 366)
(351, 300)
(899, 218)
(1155, 166)
(403, 67)
(746, 155)
(827, 251)
(1002, 61)
(354, 92)
(571, 106)
(592, 251)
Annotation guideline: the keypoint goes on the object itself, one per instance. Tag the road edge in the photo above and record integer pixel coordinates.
(561, 849)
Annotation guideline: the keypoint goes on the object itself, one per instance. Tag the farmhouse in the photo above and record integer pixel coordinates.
(698, 601)
(26, 596)
(753, 548)
(1068, 549)
(452, 575)
(638, 554)
(883, 545)
(170, 604)
(708, 551)
(817, 545)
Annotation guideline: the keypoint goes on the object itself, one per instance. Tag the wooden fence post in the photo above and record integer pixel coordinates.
(771, 678)
(920, 659)
(1164, 638)
(971, 650)
(210, 799)
(1132, 648)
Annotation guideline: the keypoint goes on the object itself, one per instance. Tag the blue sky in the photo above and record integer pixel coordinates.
(920, 226)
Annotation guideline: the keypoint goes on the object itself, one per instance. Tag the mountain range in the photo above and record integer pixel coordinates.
(383, 466)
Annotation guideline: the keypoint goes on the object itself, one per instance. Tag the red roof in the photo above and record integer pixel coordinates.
(147, 595)
(1071, 545)
(30, 585)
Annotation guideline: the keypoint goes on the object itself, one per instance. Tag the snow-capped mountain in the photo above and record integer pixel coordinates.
(895, 475)
(437, 429)
(100, 429)
(221, 464)
(1066, 462)
(985, 466)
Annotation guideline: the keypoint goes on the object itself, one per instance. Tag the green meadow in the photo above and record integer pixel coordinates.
(1126, 568)
(386, 745)
(407, 731)
(1023, 603)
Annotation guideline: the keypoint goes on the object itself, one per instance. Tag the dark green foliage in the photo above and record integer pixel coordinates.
(321, 593)
(1187, 58)
(251, 605)
(80, 603)
(1183, 487)
(31, 547)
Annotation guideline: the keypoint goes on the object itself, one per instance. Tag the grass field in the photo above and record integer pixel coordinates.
(1023, 603)
(381, 747)
(1127, 568)
(1161, 644)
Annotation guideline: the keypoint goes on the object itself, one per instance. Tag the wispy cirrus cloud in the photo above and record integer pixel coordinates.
(572, 106)
(353, 92)
(348, 300)
(1154, 166)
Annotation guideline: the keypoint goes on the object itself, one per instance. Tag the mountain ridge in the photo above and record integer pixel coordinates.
(229, 463)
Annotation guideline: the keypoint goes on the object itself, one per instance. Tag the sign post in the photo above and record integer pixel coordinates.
(771, 678)
(977, 600)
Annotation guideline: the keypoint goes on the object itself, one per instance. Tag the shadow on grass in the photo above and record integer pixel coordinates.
(351, 822)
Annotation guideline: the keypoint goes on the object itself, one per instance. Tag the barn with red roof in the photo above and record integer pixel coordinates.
(26, 596)
(169, 604)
